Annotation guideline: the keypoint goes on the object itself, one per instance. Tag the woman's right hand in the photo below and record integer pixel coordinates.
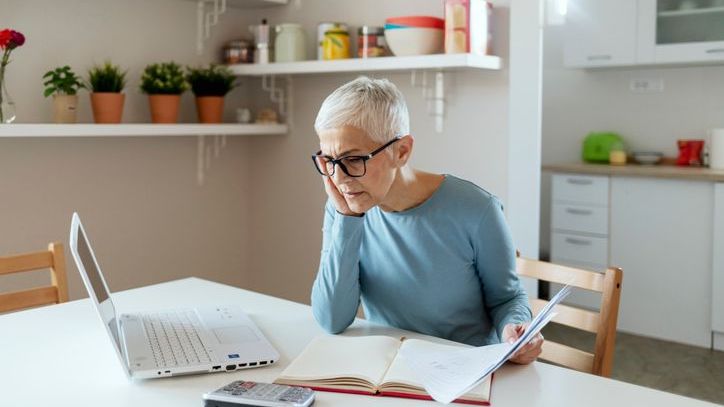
(339, 203)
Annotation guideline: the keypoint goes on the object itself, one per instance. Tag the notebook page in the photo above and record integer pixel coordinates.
(400, 371)
(330, 356)
(447, 375)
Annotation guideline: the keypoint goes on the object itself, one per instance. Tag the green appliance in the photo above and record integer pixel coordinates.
(597, 145)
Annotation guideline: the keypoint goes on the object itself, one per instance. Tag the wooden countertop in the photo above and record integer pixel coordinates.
(636, 170)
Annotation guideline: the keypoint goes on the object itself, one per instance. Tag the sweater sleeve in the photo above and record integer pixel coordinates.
(505, 298)
(336, 290)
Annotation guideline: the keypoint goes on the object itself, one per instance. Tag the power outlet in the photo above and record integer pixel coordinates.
(646, 85)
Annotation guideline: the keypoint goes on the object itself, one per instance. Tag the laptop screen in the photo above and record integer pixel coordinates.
(94, 281)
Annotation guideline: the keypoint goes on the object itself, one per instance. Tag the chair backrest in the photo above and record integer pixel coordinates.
(57, 292)
(602, 323)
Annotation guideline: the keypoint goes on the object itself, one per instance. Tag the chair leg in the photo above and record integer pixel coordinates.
(57, 272)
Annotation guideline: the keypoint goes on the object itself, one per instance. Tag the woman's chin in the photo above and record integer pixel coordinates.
(358, 205)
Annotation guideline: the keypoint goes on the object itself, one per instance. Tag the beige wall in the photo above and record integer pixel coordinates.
(288, 197)
(148, 219)
(257, 221)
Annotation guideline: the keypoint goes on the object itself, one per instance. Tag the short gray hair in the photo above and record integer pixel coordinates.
(373, 105)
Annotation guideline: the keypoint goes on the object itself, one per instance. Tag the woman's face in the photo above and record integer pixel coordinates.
(360, 193)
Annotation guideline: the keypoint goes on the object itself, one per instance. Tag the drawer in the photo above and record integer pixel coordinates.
(580, 218)
(577, 248)
(584, 189)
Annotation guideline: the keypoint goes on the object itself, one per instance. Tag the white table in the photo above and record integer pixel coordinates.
(61, 356)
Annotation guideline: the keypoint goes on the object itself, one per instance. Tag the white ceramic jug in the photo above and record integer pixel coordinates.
(289, 45)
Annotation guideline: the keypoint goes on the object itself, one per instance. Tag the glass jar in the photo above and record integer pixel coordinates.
(289, 44)
(371, 42)
(239, 52)
(617, 154)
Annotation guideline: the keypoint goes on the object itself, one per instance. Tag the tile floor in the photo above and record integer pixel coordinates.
(686, 370)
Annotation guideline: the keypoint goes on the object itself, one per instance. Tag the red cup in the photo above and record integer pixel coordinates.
(689, 152)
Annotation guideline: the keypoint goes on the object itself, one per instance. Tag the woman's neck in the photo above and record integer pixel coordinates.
(409, 189)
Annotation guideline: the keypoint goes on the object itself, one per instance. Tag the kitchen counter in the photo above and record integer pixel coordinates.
(636, 170)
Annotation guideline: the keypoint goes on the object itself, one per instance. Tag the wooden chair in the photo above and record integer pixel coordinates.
(602, 323)
(57, 292)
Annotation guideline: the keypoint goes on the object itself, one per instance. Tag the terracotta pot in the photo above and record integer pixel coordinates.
(210, 108)
(107, 106)
(164, 108)
(64, 108)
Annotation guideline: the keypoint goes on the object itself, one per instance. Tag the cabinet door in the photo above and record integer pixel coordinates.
(600, 33)
(681, 31)
(717, 303)
(661, 236)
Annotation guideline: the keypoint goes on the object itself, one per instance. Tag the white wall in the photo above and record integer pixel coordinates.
(577, 101)
(148, 219)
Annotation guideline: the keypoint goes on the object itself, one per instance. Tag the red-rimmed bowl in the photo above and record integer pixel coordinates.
(417, 21)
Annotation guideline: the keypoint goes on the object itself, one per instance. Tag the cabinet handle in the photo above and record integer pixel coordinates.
(579, 181)
(578, 242)
(715, 51)
(599, 57)
(574, 211)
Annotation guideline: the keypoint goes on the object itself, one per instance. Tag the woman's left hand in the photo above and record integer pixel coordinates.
(527, 353)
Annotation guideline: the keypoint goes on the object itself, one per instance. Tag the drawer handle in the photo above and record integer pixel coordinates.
(578, 242)
(715, 51)
(599, 57)
(574, 211)
(579, 181)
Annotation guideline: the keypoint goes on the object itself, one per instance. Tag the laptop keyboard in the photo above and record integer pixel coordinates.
(174, 339)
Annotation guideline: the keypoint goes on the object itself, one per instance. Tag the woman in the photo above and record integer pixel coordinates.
(424, 252)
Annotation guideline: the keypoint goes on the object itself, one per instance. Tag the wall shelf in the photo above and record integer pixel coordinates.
(691, 12)
(145, 129)
(417, 62)
(432, 90)
(256, 3)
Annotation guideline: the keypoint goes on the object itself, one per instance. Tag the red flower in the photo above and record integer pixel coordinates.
(11, 39)
(16, 39)
(5, 37)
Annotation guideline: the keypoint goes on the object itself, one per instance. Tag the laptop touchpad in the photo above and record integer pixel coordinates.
(235, 334)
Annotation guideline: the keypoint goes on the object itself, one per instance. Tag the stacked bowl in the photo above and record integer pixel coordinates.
(415, 35)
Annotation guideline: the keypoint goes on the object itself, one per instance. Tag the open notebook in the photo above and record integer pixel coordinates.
(369, 365)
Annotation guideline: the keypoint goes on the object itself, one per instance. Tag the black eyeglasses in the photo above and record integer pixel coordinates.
(352, 165)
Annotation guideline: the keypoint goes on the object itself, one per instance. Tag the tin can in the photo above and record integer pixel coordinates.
(321, 29)
(336, 44)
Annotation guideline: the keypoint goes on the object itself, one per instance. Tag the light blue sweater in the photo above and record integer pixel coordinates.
(444, 268)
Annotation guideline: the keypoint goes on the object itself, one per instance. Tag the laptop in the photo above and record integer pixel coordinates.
(164, 343)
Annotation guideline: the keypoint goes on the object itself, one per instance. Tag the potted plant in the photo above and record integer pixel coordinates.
(164, 83)
(63, 84)
(106, 83)
(210, 85)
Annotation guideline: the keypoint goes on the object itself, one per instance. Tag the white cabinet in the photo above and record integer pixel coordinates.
(717, 303)
(629, 32)
(600, 33)
(680, 31)
(579, 222)
(660, 235)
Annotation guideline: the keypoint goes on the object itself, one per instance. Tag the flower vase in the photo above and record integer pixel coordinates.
(7, 106)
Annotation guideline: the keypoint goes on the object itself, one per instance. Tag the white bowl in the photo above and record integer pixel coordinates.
(415, 41)
(647, 157)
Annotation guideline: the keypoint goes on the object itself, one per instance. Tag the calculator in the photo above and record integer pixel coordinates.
(246, 393)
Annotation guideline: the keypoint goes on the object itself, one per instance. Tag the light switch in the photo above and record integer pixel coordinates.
(646, 85)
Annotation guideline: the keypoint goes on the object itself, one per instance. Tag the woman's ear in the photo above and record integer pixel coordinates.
(404, 149)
